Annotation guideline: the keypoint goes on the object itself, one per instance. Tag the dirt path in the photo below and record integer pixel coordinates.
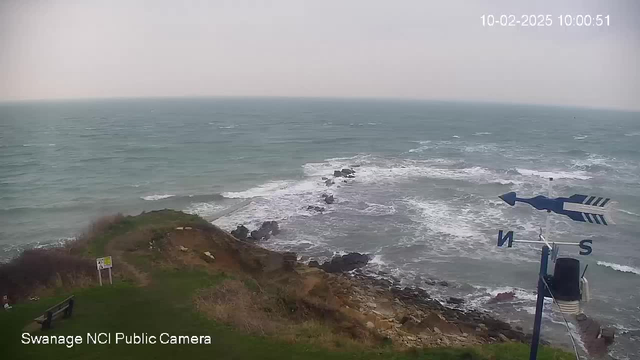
(141, 278)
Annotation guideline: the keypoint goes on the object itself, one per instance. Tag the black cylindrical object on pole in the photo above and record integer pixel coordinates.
(566, 279)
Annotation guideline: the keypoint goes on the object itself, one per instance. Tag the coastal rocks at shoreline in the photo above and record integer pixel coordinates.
(343, 263)
(347, 173)
(502, 297)
(240, 233)
(266, 230)
(595, 338)
(411, 310)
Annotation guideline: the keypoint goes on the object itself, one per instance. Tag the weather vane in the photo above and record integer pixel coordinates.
(565, 286)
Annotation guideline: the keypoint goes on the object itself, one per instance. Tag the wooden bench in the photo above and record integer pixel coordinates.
(64, 308)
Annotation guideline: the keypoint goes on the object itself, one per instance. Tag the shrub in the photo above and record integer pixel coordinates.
(42, 268)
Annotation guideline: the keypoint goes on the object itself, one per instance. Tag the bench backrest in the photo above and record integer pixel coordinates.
(60, 305)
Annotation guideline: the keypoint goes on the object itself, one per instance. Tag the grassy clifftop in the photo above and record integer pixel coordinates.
(249, 305)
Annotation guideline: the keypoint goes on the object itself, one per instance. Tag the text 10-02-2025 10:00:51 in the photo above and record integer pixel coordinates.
(510, 20)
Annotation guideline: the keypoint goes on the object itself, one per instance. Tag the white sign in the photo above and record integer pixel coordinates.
(104, 263)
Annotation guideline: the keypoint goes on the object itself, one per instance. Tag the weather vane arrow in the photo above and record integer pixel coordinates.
(583, 208)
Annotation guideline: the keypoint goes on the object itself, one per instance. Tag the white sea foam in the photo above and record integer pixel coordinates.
(261, 190)
(621, 268)
(481, 148)
(628, 212)
(420, 149)
(378, 209)
(377, 260)
(591, 160)
(456, 137)
(227, 127)
(441, 218)
(37, 145)
(482, 133)
(156, 197)
(384, 171)
(203, 209)
(276, 200)
(578, 175)
(635, 133)
(580, 137)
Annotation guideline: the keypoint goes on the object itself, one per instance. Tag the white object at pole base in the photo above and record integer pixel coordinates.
(584, 290)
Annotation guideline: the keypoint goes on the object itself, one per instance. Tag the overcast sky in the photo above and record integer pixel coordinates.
(349, 48)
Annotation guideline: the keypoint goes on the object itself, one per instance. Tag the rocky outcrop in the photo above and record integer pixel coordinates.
(502, 297)
(319, 209)
(595, 338)
(344, 263)
(410, 317)
(240, 233)
(266, 230)
(348, 173)
(329, 199)
(455, 300)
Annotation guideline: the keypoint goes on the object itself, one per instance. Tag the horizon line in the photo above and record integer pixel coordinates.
(342, 98)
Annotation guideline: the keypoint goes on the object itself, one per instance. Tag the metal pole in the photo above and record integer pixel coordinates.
(533, 355)
(100, 277)
(110, 279)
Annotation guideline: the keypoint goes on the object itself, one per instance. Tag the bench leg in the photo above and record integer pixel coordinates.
(46, 324)
(69, 310)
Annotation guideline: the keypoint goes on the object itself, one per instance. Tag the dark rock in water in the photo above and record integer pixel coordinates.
(354, 166)
(329, 182)
(259, 235)
(265, 231)
(240, 232)
(337, 173)
(271, 226)
(581, 317)
(443, 283)
(347, 171)
(314, 263)
(455, 300)
(344, 263)
(430, 282)
(324, 195)
(505, 296)
(350, 176)
(329, 199)
(325, 178)
(608, 334)
(315, 208)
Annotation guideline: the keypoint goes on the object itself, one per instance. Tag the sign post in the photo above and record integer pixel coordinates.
(580, 208)
(104, 263)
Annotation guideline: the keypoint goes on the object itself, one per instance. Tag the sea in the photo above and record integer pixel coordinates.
(423, 203)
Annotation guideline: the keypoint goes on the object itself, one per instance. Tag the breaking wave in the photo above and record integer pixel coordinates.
(621, 268)
(577, 175)
(156, 197)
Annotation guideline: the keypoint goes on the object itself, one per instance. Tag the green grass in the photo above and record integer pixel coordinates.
(163, 219)
(165, 306)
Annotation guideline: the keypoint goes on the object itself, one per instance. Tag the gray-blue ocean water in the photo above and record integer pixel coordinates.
(424, 200)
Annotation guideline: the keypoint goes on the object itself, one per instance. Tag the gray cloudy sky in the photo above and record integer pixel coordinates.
(350, 48)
